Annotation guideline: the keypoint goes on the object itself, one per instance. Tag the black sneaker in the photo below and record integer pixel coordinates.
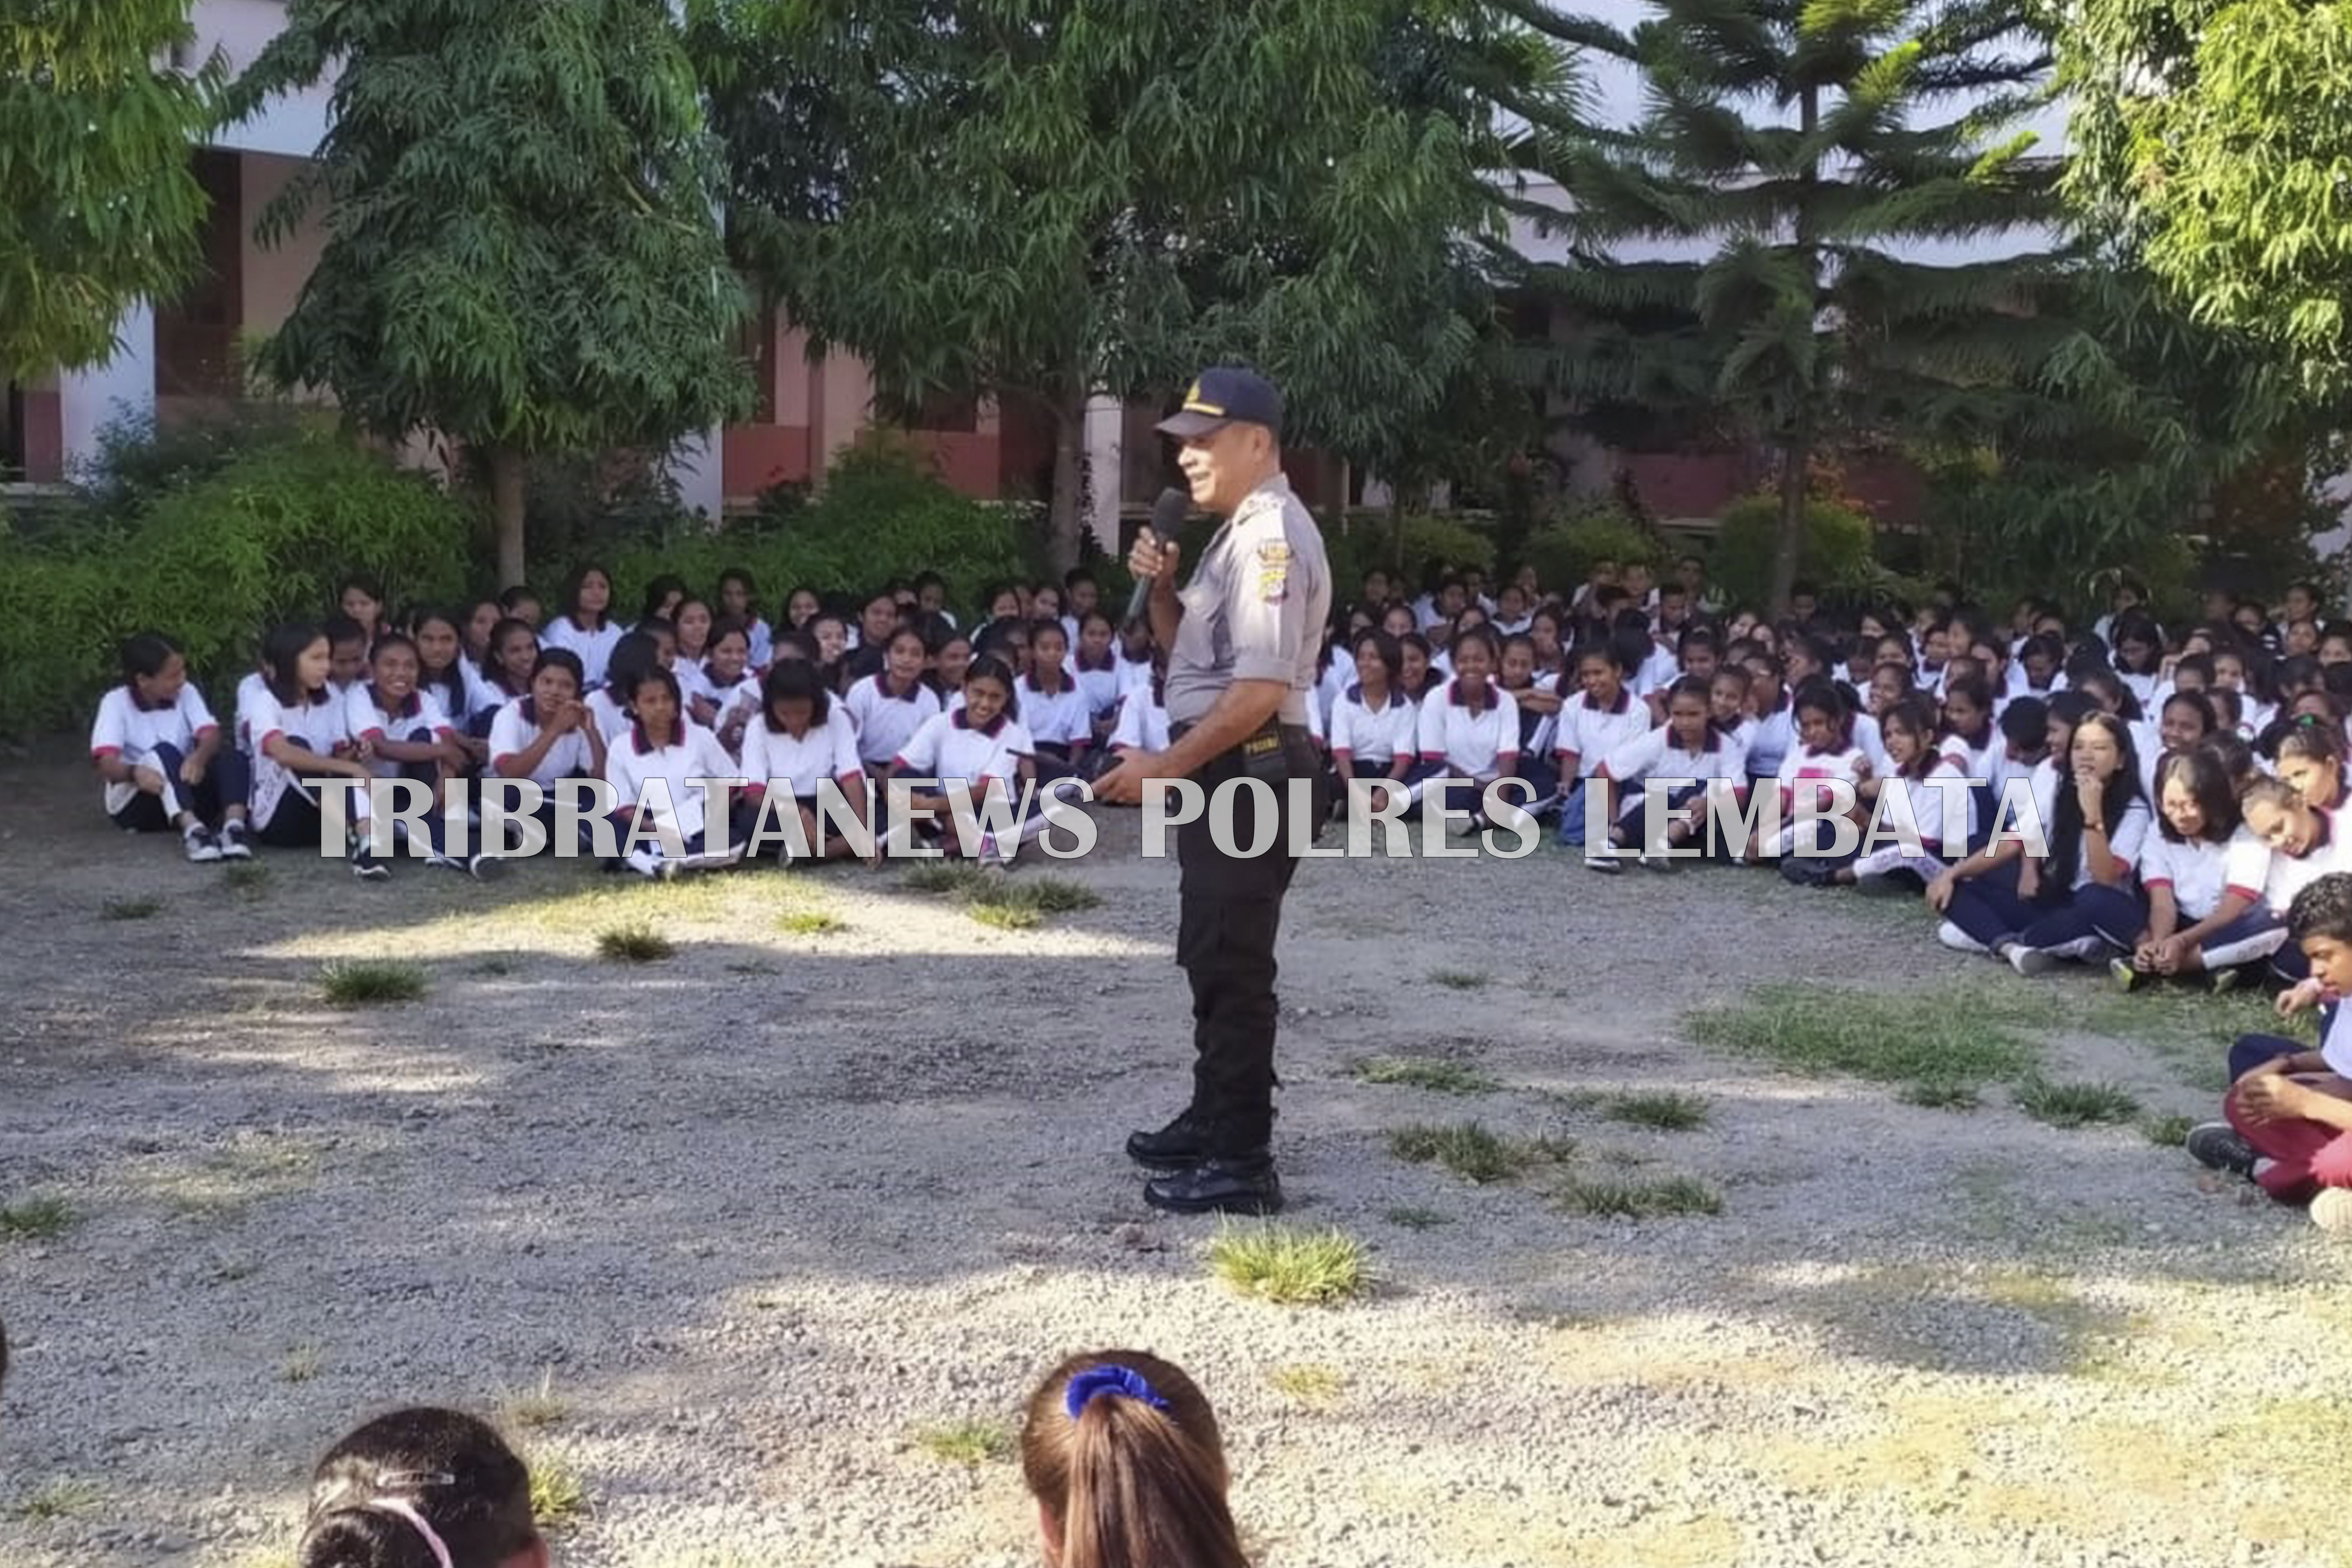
(366, 866)
(2216, 1146)
(1243, 1184)
(1183, 1142)
(233, 842)
(201, 845)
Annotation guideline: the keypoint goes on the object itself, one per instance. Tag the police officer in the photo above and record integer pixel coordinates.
(1241, 641)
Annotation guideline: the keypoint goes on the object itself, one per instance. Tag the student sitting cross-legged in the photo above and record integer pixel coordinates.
(2290, 1110)
(2204, 873)
(1688, 753)
(155, 745)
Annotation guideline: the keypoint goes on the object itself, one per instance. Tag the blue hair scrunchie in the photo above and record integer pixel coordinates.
(1122, 1382)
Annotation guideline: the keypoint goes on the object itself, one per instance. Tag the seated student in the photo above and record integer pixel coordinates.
(2204, 873)
(1889, 683)
(520, 602)
(2305, 845)
(608, 703)
(978, 753)
(1468, 732)
(2138, 655)
(2035, 910)
(586, 625)
(1602, 716)
(156, 745)
(1824, 754)
(738, 601)
(1974, 743)
(1053, 707)
(803, 737)
(507, 674)
(348, 647)
(1909, 728)
(1775, 715)
(1699, 652)
(550, 736)
(2039, 668)
(1128, 1468)
(401, 733)
(1375, 727)
(2248, 675)
(1728, 703)
(2024, 742)
(2181, 724)
(441, 674)
(1687, 749)
(1539, 710)
(421, 1488)
(2290, 1109)
(884, 709)
(945, 676)
(1142, 725)
(301, 742)
(1096, 667)
(2310, 757)
(1135, 662)
(663, 747)
(729, 675)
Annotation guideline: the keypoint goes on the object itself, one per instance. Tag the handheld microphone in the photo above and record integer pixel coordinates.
(1168, 514)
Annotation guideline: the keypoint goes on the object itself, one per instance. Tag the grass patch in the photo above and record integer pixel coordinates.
(812, 922)
(129, 909)
(34, 1219)
(953, 877)
(1308, 1382)
(1047, 895)
(967, 1442)
(1948, 1035)
(1666, 1111)
(1439, 1075)
(255, 1166)
(1667, 1197)
(1409, 1218)
(1474, 1152)
(249, 879)
(65, 1498)
(1939, 1094)
(535, 1409)
(2166, 1131)
(1460, 979)
(302, 1363)
(1289, 1265)
(1007, 916)
(370, 983)
(635, 943)
(2075, 1104)
(559, 1496)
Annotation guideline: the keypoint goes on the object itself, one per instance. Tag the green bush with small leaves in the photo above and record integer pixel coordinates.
(1564, 551)
(1837, 556)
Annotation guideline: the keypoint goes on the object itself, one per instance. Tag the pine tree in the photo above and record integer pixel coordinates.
(1809, 166)
(522, 247)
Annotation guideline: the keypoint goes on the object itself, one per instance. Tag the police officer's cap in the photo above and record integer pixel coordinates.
(1222, 395)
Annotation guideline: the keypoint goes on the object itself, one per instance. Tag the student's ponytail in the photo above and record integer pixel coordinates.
(1122, 1450)
(419, 1487)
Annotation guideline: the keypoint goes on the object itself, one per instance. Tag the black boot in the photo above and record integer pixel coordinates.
(1243, 1184)
(1183, 1142)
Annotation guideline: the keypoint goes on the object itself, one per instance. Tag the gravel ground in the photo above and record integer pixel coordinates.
(762, 1214)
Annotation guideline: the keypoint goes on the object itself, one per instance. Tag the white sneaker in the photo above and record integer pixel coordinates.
(2331, 1211)
(646, 863)
(2030, 961)
(202, 846)
(1958, 940)
(1602, 857)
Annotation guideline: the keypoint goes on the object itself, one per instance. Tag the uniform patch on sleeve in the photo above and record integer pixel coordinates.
(1274, 571)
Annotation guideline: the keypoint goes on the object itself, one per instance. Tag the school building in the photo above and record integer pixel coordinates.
(180, 355)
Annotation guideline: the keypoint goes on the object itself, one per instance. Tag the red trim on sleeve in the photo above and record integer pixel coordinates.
(2251, 895)
(262, 745)
(1433, 756)
(106, 750)
(203, 730)
(503, 758)
(374, 734)
(2156, 881)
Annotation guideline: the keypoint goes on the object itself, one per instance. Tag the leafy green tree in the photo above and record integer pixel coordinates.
(100, 206)
(2213, 138)
(1826, 179)
(522, 249)
(1046, 201)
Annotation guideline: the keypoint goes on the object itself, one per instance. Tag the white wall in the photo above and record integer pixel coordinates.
(123, 387)
(294, 124)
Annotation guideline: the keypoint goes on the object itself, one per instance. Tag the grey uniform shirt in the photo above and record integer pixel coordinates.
(1254, 609)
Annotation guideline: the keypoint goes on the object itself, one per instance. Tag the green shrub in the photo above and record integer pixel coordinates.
(1562, 552)
(264, 537)
(1836, 556)
(1431, 542)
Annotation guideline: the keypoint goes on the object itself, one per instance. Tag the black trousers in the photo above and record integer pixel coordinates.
(1231, 913)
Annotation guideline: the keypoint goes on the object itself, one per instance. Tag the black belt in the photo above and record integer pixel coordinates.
(1286, 731)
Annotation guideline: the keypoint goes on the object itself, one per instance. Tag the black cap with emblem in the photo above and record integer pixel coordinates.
(1221, 396)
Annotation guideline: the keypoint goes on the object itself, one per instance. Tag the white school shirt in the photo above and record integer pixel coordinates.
(1475, 743)
(252, 686)
(1101, 685)
(1806, 770)
(2125, 839)
(318, 726)
(611, 718)
(1774, 737)
(829, 751)
(1658, 672)
(1132, 673)
(1926, 798)
(1656, 753)
(1536, 731)
(1590, 733)
(517, 727)
(1338, 678)
(950, 748)
(2143, 687)
(1060, 719)
(2201, 873)
(693, 681)
(1367, 734)
(630, 764)
(885, 720)
(763, 643)
(595, 648)
(365, 720)
(125, 730)
(1977, 764)
(1866, 735)
(1142, 725)
(482, 696)
(2289, 875)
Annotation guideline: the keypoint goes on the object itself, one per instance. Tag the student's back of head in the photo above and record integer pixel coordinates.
(421, 1489)
(1123, 1454)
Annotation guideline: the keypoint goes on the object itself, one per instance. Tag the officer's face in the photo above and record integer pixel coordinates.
(1224, 465)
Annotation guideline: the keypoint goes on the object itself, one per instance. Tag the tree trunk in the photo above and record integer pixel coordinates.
(1796, 458)
(1064, 521)
(506, 505)
(1396, 539)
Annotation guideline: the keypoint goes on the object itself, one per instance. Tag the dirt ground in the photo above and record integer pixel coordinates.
(732, 1238)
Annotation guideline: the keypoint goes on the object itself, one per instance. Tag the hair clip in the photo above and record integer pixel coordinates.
(411, 1480)
(1120, 1382)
